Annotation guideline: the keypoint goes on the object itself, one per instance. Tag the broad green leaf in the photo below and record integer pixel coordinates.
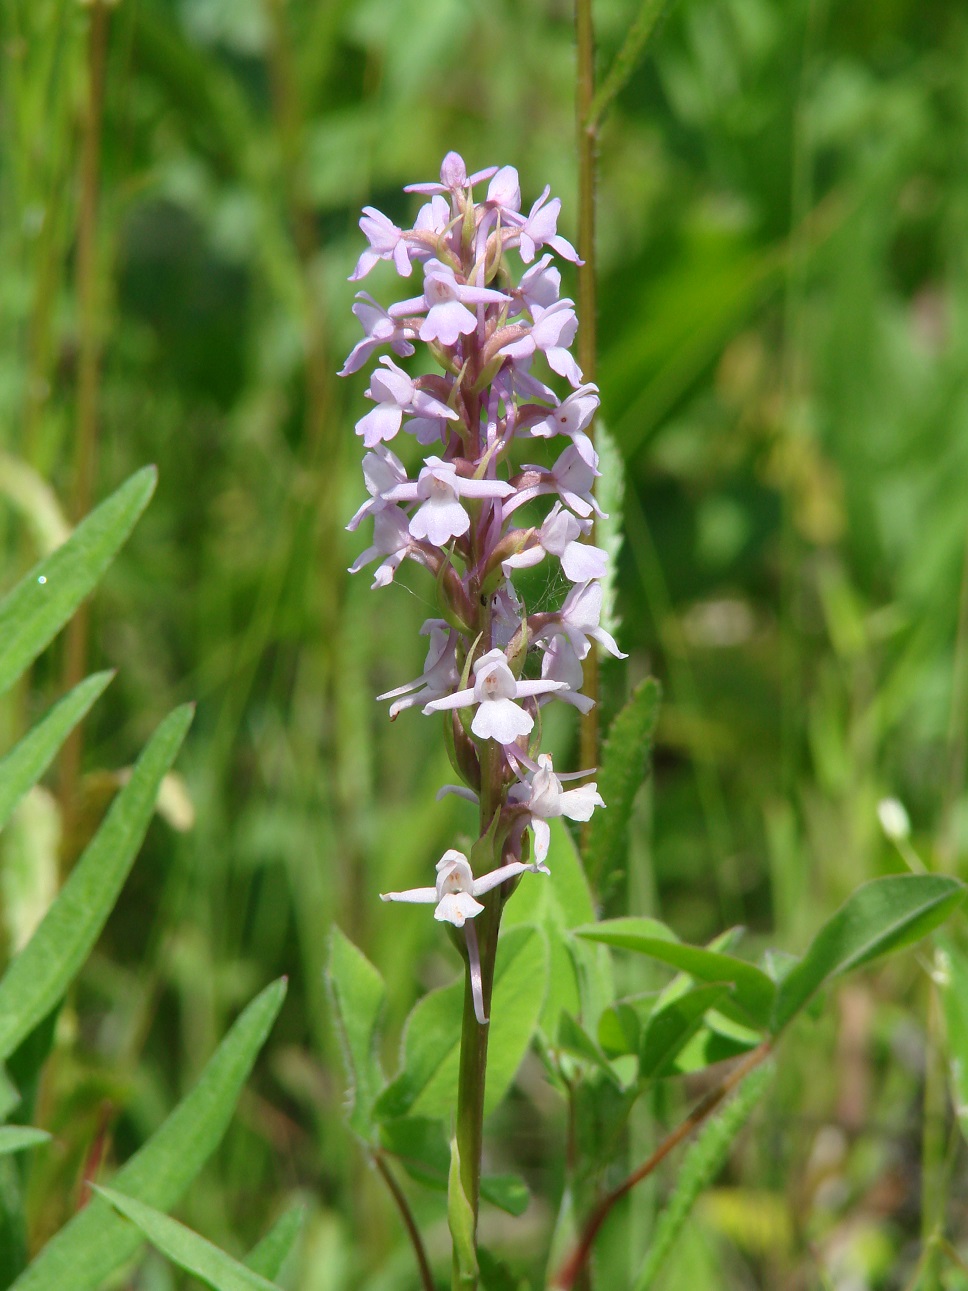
(40, 974)
(15, 1138)
(271, 1253)
(620, 1026)
(882, 916)
(580, 976)
(700, 1166)
(421, 1147)
(753, 991)
(358, 995)
(671, 1027)
(624, 766)
(96, 1241)
(574, 1039)
(36, 609)
(460, 1220)
(717, 1039)
(427, 1083)
(185, 1248)
(27, 761)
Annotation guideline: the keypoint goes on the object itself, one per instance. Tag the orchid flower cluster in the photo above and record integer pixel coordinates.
(491, 665)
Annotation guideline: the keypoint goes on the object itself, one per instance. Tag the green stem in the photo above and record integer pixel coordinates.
(587, 130)
(88, 367)
(413, 1232)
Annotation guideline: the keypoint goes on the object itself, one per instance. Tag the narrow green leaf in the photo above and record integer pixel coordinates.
(753, 991)
(573, 1038)
(700, 1166)
(36, 609)
(40, 974)
(95, 1241)
(671, 1027)
(358, 996)
(427, 1082)
(271, 1253)
(27, 761)
(185, 1248)
(882, 916)
(625, 760)
(15, 1138)
(460, 1218)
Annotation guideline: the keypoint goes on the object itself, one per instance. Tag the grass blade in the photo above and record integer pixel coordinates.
(36, 609)
(15, 1138)
(27, 761)
(271, 1253)
(40, 974)
(97, 1241)
(185, 1248)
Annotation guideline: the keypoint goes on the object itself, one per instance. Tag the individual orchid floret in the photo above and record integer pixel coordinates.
(396, 393)
(455, 896)
(453, 177)
(380, 329)
(456, 891)
(391, 539)
(579, 619)
(540, 286)
(445, 301)
(560, 662)
(504, 191)
(540, 228)
(387, 242)
(571, 416)
(495, 692)
(382, 472)
(440, 674)
(572, 477)
(552, 331)
(439, 489)
(559, 536)
(545, 799)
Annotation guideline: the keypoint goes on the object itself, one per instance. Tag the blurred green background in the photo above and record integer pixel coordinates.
(783, 259)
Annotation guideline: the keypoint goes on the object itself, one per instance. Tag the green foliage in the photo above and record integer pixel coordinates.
(95, 1242)
(186, 1249)
(358, 997)
(270, 1255)
(27, 761)
(624, 766)
(460, 1219)
(580, 978)
(421, 1146)
(700, 1166)
(672, 1026)
(952, 981)
(426, 1084)
(36, 609)
(881, 917)
(16, 1138)
(753, 991)
(38, 976)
